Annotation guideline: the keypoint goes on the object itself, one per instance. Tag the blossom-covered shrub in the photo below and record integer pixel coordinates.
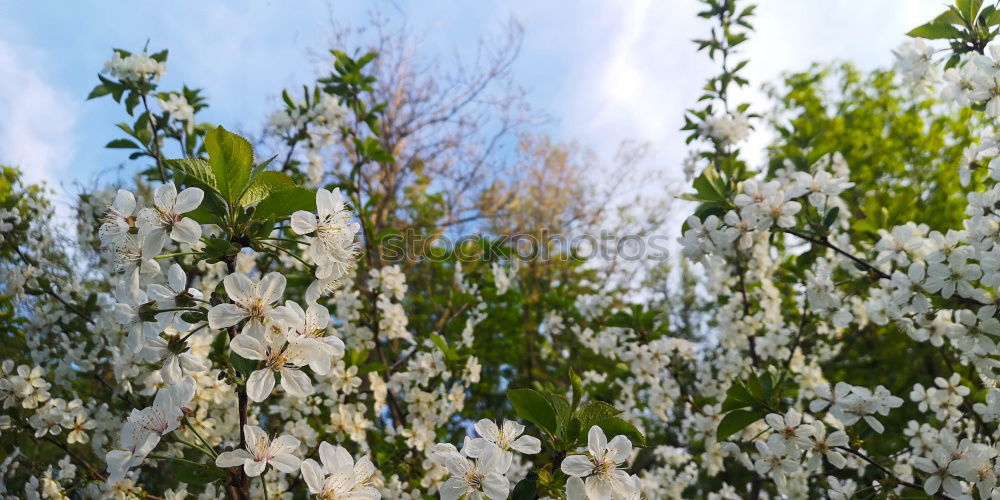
(229, 325)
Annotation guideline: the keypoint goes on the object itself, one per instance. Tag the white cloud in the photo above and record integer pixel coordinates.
(634, 69)
(36, 130)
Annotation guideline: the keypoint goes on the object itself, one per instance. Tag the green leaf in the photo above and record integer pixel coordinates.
(709, 186)
(231, 159)
(211, 211)
(191, 473)
(281, 204)
(100, 90)
(563, 411)
(950, 16)
(736, 421)
(969, 8)
(445, 348)
(533, 407)
(525, 488)
(766, 385)
(160, 56)
(196, 168)
(263, 186)
(935, 31)
(615, 426)
(242, 365)
(577, 387)
(595, 411)
(831, 217)
(572, 433)
(259, 168)
(737, 397)
(372, 367)
(993, 18)
(122, 144)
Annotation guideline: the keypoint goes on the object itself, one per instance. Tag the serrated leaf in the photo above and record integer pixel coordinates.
(993, 18)
(263, 186)
(160, 56)
(100, 90)
(969, 8)
(533, 407)
(231, 159)
(572, 433)
(211, 211)
(259, 168)
(281, 204)
(615, 426)
(595, 411)
(563, 411)
(242, 365)
(737, 397)
(736, 421)
(950, 16)
(196, 168)
(935, 31)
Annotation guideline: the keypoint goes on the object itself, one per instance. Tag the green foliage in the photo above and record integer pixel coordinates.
(967, 25)
(566, 424)
(533, 407)
(283, 203)
(199, 170)
(231, 159)
(882, 134)
(194, 473)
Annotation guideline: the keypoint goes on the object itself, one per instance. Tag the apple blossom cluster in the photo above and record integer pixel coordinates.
(915, 270)
(272, 362)
(915, 62)
(938, 286)
(975, 79)
(315, 123)
(136, 68)
(727, 128)
(320, 118)
(166, 352)
(178, 107)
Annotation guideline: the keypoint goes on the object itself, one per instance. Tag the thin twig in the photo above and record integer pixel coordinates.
(886, 471)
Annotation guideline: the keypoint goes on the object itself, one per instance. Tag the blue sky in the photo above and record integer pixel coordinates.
(604, 70)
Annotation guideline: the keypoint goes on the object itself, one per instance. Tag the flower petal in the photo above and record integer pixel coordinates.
(285, 462)
(577, 465)
(260, 384)
(239, 287)
(575, 490)
(296, 383)
(272, 286)
(165, 196)
(232, 458)
(488, 430)
(224, 316)
(304, 222)
(186, 231)
(313, 475)
(247, 346)
(527, 444)
(188, 200)
(597, 442)
(496, 486)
